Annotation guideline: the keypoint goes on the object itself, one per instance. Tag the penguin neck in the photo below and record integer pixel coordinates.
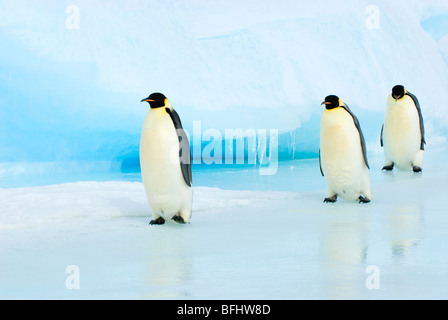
(398, 99)
(160, 110)
(329, 107)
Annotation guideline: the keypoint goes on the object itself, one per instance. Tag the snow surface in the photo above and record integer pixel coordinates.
(240, 244)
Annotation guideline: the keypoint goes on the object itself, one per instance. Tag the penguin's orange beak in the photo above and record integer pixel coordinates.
(325, 103)
(147, 100)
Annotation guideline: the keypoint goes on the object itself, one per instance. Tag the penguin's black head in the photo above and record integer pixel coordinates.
(331, 102)
(398, 92)
(155, 100)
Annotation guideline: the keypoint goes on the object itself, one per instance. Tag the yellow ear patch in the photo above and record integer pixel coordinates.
(339, 102)
(167, 103)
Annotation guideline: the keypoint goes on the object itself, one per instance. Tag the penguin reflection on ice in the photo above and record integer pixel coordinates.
(165, 162)
(403, 132)
(342, 154)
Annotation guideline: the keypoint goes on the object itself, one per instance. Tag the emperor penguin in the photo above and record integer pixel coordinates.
(342, 154)
(165, 162)
(403, 133)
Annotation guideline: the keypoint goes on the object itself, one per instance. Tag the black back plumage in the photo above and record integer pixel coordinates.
(184, 147)
(361, 136)
(420, 117)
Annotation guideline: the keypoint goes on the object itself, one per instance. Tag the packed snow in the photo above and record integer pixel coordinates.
(240, 244)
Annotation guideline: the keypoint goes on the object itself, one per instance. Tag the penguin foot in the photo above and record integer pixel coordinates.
(178, 219)
(416, 169)
(363, 200)
(159, 220)
(331, 199)
(388, 168)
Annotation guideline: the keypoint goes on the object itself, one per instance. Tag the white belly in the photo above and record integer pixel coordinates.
(166, 190)
(341, 154)
(401, 132)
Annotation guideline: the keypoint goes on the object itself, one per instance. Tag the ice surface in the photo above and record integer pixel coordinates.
(276, 242)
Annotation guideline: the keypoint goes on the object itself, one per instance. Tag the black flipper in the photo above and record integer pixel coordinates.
(184, 147)
(381, 135)
(320, 165)
(422, 127)
(361, 136)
